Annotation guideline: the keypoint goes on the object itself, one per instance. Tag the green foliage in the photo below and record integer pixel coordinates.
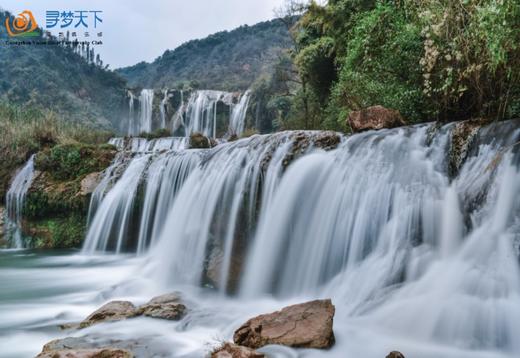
(471, 59)
(228, 60)
(58, 233)
(69, 161)
(429, 59)
(382, 67)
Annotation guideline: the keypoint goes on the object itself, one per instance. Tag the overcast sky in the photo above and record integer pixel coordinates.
(141, 30)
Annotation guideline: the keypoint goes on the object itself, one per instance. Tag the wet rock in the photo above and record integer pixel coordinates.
(167, 306)
(462, 137)
(305, 325)
(200, 141)
(112, 311)
(92, 347)
(89, 183)
(376, 117)
(87, 353)
(214, 269)
(327, 140)
(395, 354)
(230, 350)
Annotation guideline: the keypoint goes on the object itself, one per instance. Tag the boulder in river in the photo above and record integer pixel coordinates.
(167, 306)
(79, 348)
(200, 141)
(112, 311)
(305, 325)
(230, 350)
(376, 117)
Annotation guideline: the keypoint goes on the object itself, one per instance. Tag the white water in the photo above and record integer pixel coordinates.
(162, 108)
(201, 112)
(413, 260)
(238, 115)
(15, 201)
(133, 127)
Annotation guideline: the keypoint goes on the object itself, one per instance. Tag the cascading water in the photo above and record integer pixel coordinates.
(145, 112)
(159, 163)
(15, 201)
(201, 112)
(415, 255)
(238, 115)
(162, 108)
(206, 111)
(132, 125)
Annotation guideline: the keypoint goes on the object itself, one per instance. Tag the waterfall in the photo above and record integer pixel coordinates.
(238, 115)
(145, 112)
(408, 250)
(160, 163)
(132, 125)
(201, 112)
(178, 117)
(15, 201)
(162, 108)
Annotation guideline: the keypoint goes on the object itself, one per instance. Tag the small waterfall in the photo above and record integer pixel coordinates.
(132, 125)
(15, 201)
(146, 110)
(178, 117)
(162, 108)
(201, 112)
(238, 115)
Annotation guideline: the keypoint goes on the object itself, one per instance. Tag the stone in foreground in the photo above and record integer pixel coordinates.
(230, 350)
(305, 325)
(395, 354)
(167, 306)
(373, 118)
(87, 353)
(76, 348)
(112, 311)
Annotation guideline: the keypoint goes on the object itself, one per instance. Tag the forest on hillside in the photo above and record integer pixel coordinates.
(429, 59)
(227, 60)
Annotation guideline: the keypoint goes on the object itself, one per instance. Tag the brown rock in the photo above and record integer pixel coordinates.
(395, 354)
(89, 184)
(230, 350)
(200, 141)
(376, 117)
(86, 353)
(306, 325)
(112, 311)
(167, 306)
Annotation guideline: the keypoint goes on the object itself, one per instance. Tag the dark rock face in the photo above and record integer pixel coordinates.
(230, 350)
(112, 311)
(395, 354)
(306, 325)
(167, 306)
(462, 138)
(376, 117)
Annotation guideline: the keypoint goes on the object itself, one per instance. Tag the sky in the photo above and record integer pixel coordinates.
(141, 30)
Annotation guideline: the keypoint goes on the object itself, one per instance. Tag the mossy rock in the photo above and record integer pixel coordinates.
(56, 233)
(70, 161)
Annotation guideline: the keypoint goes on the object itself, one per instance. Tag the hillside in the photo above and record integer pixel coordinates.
(56, 78)
(228, 60)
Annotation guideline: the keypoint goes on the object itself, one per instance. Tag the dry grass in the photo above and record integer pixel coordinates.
(24, 131)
